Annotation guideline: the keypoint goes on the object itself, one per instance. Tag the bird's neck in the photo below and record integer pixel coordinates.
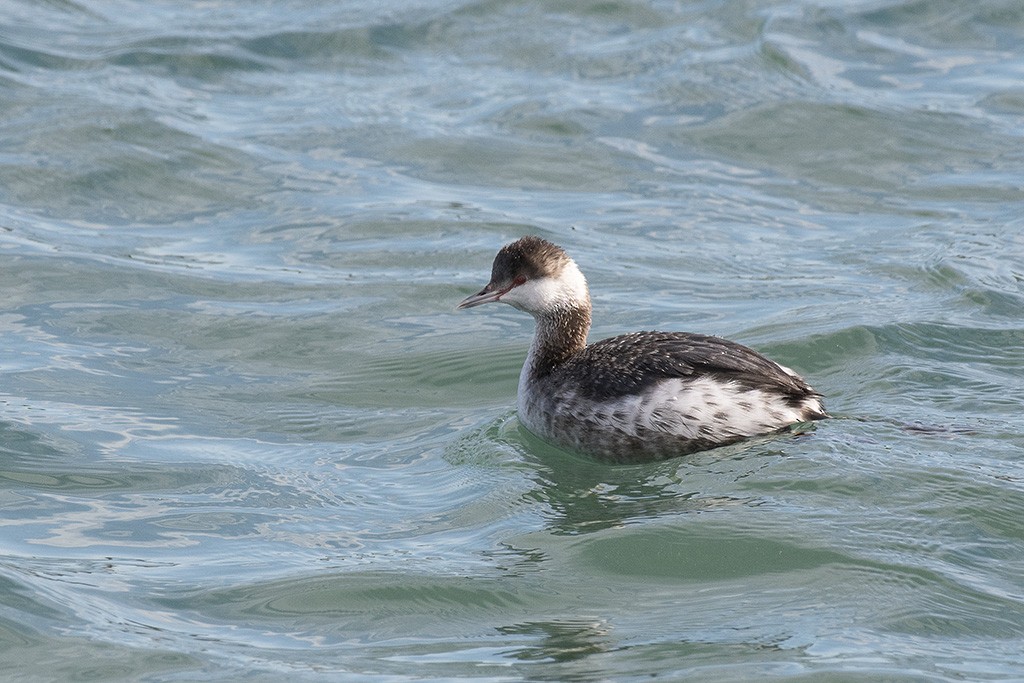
(560, 334)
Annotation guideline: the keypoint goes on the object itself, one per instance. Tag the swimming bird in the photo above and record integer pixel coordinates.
(639, 396)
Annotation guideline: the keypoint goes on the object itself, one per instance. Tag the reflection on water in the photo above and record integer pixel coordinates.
(562, 641)
(586, 495)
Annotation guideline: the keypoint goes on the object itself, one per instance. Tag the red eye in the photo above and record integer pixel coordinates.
(520, 279)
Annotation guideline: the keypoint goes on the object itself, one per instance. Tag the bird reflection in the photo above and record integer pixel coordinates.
(561, 640)
(586, 495)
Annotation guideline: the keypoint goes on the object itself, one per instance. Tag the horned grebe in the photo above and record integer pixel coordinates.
(645, 395)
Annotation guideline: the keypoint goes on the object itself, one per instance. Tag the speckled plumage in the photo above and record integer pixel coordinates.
(645, 395)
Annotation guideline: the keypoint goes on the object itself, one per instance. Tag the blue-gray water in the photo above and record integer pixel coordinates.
(244, 434)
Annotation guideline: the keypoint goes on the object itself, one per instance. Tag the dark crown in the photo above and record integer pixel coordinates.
(531, 257)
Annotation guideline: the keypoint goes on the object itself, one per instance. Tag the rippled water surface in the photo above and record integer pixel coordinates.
(244, 434)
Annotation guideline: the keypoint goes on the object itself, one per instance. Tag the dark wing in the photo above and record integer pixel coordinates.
(632, 362)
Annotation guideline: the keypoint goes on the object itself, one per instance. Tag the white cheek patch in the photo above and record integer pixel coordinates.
(569, 289)
(534, 295)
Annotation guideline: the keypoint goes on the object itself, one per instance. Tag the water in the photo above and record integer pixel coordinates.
(244, 434)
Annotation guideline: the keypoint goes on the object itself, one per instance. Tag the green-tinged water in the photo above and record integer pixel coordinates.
(245, 436)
